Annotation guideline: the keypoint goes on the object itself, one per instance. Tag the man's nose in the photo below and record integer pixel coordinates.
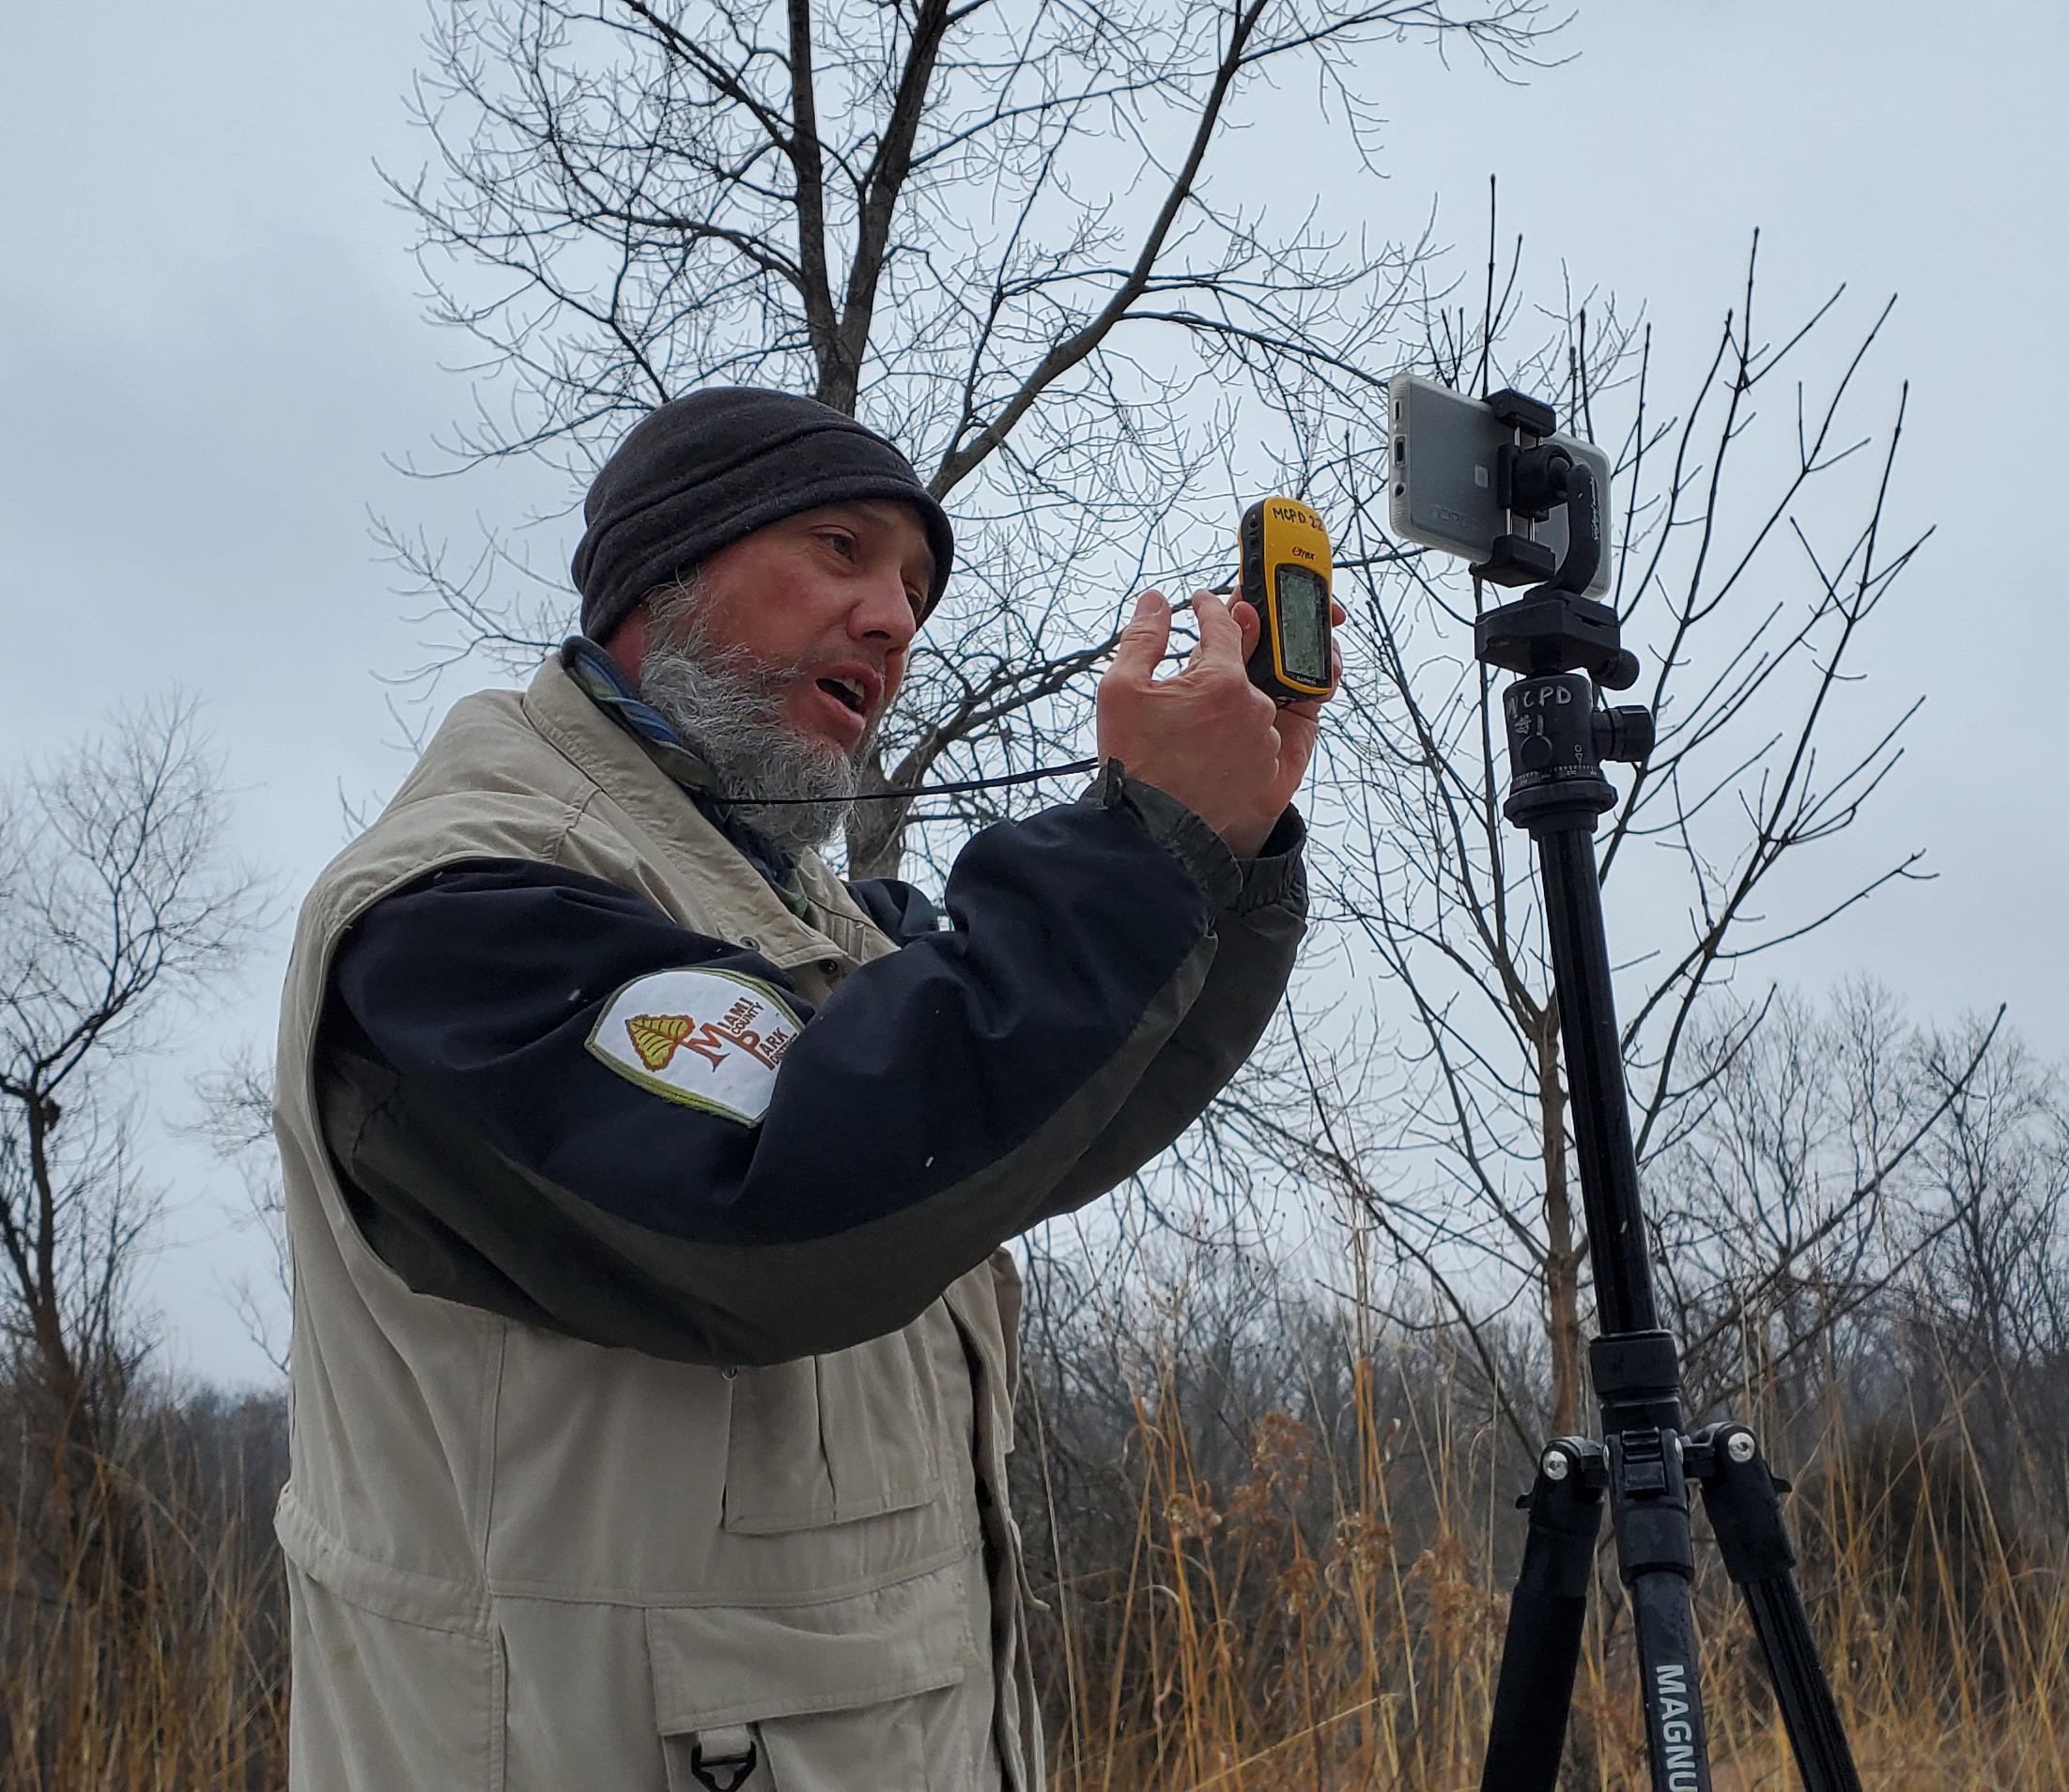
(883, 612)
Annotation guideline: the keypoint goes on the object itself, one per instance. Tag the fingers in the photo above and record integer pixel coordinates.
(1142, 643)
(1250, 623)
(1220, 634)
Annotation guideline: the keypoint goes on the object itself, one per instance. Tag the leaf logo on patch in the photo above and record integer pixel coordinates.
(709, 1039)
(657, 1037)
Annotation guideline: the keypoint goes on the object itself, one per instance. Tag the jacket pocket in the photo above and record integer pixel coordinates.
(831, 1439)
(826, 1697)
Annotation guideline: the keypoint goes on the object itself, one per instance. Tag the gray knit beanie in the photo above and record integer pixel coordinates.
(703, 471)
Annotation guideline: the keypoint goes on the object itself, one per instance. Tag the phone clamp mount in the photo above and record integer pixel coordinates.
(1565, 649)
(1532, 475)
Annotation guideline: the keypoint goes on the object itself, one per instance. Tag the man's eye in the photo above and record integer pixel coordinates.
(840, 543)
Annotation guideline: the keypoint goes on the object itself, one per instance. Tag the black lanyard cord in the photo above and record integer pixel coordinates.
(1076, 766)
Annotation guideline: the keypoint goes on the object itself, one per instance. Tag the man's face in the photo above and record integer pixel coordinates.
(828, 601)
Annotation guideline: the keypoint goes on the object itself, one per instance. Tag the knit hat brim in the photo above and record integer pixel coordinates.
(705, 471)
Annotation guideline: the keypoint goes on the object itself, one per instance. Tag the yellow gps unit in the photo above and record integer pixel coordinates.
(1284, 551)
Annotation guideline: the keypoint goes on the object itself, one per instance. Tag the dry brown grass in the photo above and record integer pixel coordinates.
(1330, 1617)
(1289, 1633)
(143, 1650)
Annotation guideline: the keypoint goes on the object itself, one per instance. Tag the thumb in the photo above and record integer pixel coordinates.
(1220, 634)
(1249, 623)
(1140, 649)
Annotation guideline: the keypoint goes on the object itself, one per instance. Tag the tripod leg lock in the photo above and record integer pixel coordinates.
(1541, 1651)
(1744, 1504)
(1565, 1512)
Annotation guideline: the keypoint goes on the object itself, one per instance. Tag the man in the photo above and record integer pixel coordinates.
(654, 1346)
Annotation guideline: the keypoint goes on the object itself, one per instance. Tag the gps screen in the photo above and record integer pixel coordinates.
(1304, 625)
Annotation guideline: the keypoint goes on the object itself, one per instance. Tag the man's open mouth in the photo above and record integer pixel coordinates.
(849, 691)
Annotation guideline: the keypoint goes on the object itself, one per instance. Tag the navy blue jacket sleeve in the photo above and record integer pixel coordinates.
(942, 1099)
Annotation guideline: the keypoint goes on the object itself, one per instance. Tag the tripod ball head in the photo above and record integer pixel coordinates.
(1555, 778)
(1558, 739)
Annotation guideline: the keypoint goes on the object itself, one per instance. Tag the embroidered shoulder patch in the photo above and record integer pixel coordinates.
(708, 1039)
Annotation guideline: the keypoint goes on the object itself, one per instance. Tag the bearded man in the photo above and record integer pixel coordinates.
(654, 1340)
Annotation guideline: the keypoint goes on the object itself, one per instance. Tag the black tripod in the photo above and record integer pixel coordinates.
(1563, 647)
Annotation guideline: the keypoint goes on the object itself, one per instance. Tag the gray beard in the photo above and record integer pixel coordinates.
(795, 793)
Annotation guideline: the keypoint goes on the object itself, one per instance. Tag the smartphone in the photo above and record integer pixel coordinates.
(1444, 452)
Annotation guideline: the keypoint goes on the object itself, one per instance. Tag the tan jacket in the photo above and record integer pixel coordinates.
(524, 1561)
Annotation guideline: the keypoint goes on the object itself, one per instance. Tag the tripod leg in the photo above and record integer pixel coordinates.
(1753, 1537)
(1648, 1512)
(1541, 1650)
(1665, 1628)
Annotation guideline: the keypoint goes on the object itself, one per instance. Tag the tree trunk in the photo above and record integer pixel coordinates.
(79, 1385)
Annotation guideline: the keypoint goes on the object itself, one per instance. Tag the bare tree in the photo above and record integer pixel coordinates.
(1754, 538)
(995, 232)
(1990, 1298)
(1999, 1170)
(119, 909)
(1809, 1187)
(990, 229)
(236, 1123)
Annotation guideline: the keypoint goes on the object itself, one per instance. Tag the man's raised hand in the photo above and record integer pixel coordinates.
(1206, 735)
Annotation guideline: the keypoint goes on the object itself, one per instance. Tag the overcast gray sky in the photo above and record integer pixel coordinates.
(209, 343)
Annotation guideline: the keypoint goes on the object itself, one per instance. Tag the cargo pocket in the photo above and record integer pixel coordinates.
(831, 1439)
(831, 1697)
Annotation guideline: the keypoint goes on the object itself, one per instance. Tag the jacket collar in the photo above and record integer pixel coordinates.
(612, 757)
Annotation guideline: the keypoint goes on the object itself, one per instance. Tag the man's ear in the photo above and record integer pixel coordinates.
(627, 642)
